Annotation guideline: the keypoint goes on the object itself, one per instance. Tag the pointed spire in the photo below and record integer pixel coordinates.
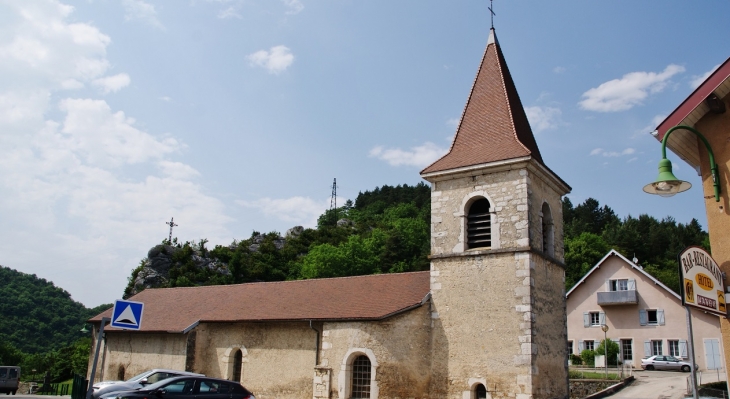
(494, 125)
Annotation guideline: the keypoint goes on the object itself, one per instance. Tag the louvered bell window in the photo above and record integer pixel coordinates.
(479, 225)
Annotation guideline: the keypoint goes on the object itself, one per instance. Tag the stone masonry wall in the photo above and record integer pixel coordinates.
(132, 353)
(398, 348)
(278, 358)
(539, 192)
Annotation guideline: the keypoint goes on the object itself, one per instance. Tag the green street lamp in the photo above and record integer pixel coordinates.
(666, 185)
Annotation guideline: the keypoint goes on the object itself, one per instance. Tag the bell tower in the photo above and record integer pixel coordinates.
(497, 268)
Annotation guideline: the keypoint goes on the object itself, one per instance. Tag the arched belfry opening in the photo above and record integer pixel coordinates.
(479, 225)
(480, 392)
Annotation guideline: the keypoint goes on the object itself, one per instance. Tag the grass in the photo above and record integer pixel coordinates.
(590, 375)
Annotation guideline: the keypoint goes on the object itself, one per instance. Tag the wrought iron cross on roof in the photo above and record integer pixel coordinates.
(172, 224)
(491, 11)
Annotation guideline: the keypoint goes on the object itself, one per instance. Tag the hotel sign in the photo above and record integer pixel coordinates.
(702, 281)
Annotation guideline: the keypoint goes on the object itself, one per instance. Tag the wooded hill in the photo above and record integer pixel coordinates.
(387, 230)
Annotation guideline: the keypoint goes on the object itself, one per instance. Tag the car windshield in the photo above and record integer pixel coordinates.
(672, 359)
(137, 377)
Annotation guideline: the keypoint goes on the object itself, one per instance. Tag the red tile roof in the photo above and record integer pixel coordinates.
(372, 297)
(494, 126)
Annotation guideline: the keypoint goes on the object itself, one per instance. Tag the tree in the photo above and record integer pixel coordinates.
(613, 351)
(581, 254)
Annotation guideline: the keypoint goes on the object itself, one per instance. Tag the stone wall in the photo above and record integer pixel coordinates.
(582, 388)
(132, 353)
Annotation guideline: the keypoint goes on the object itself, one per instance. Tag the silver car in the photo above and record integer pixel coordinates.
(138, 381)
(662, 362)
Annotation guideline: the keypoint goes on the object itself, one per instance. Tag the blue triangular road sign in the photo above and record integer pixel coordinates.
(127, 315)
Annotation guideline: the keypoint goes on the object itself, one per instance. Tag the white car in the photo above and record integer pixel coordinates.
(138, 381)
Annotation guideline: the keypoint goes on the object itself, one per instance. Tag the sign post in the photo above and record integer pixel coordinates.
(702, 285)
(126, 315)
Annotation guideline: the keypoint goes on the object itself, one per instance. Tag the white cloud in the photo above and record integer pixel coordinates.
(612, 154)
(453, 122)
(623, 94)
(276, 60)
(699, 79)
(543, 118)
(298, 210)
(559, 69)
(230, 12)
(112, 84)
(655, 121)
(140, 10)
(420, 156)
(79, 176)
(294, 6)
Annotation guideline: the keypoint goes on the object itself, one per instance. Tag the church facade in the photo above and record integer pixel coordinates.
(487, 321)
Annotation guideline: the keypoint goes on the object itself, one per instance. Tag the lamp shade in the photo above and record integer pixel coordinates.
(666, 185)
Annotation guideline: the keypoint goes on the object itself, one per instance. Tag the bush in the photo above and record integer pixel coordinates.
(612, 351)
(575, 359)
(589, 357)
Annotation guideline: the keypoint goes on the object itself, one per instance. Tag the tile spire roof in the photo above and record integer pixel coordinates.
(494, 125)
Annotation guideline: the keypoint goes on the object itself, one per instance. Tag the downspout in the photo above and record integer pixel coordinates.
(316, 356)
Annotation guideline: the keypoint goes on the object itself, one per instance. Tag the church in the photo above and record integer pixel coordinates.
(488, 320)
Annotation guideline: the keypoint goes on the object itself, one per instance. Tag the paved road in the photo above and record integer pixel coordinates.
(661, 385)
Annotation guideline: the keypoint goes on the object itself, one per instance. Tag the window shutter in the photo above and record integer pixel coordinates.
(682, 348)
(608, 285)
(660, 316)
(580, 347)
(601, 318)
(642, 317)
(586, 319)
(632, 285)
(647, 348)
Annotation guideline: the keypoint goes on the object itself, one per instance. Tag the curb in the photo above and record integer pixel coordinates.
(612, 389)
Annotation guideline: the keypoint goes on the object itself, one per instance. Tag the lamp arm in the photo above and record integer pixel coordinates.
(713, 165)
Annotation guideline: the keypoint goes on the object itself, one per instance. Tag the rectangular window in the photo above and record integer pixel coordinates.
(619, 285)
(673, 347)
(595, 319)
(651, 316)
(656, 347)
(589, 345)
(627, 352)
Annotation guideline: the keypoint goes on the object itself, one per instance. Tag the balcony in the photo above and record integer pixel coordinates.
(618, 298)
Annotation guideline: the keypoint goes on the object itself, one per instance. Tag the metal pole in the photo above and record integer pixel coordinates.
(691, 348)
(605, 350)
(90, 390)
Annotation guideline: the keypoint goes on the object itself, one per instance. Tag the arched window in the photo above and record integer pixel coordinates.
(120, 373)
(548, 241)
(480, 392)
(361, 377)
(237, 362)
(479, 225)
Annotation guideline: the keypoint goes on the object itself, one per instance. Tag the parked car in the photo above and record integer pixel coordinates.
(185, 386)
(660, 362)
(9, 377)
(137, 382)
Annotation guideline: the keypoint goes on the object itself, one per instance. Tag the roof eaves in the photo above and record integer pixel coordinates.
(598, 265)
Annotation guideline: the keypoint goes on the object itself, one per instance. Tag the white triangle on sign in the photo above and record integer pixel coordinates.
(127, 317)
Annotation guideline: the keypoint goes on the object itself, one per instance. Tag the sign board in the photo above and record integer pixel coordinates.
(702, 281)
(127, 315)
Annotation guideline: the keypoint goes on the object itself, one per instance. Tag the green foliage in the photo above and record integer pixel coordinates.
(612, 351)
(37, 316)
(575, 359)
(591, 231)
(589, 357)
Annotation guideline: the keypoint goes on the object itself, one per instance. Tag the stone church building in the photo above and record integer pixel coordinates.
(487, 321)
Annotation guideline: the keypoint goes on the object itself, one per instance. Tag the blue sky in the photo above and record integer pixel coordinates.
(235, 115)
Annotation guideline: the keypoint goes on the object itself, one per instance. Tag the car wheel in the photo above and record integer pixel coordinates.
(650, 367)
(685, 369)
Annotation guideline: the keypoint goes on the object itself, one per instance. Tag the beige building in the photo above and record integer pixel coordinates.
(487, 321)
(643, 316)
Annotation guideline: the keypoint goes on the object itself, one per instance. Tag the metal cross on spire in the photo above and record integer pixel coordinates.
(172, 224)
(491, 11)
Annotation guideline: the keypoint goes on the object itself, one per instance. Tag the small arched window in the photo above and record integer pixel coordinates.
(548, 233)
(237, 362)
(480, 392)
(361, 377)
(479, 225)
(120, 374)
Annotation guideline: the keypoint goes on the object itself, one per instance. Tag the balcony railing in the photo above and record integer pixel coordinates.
(618, 298)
